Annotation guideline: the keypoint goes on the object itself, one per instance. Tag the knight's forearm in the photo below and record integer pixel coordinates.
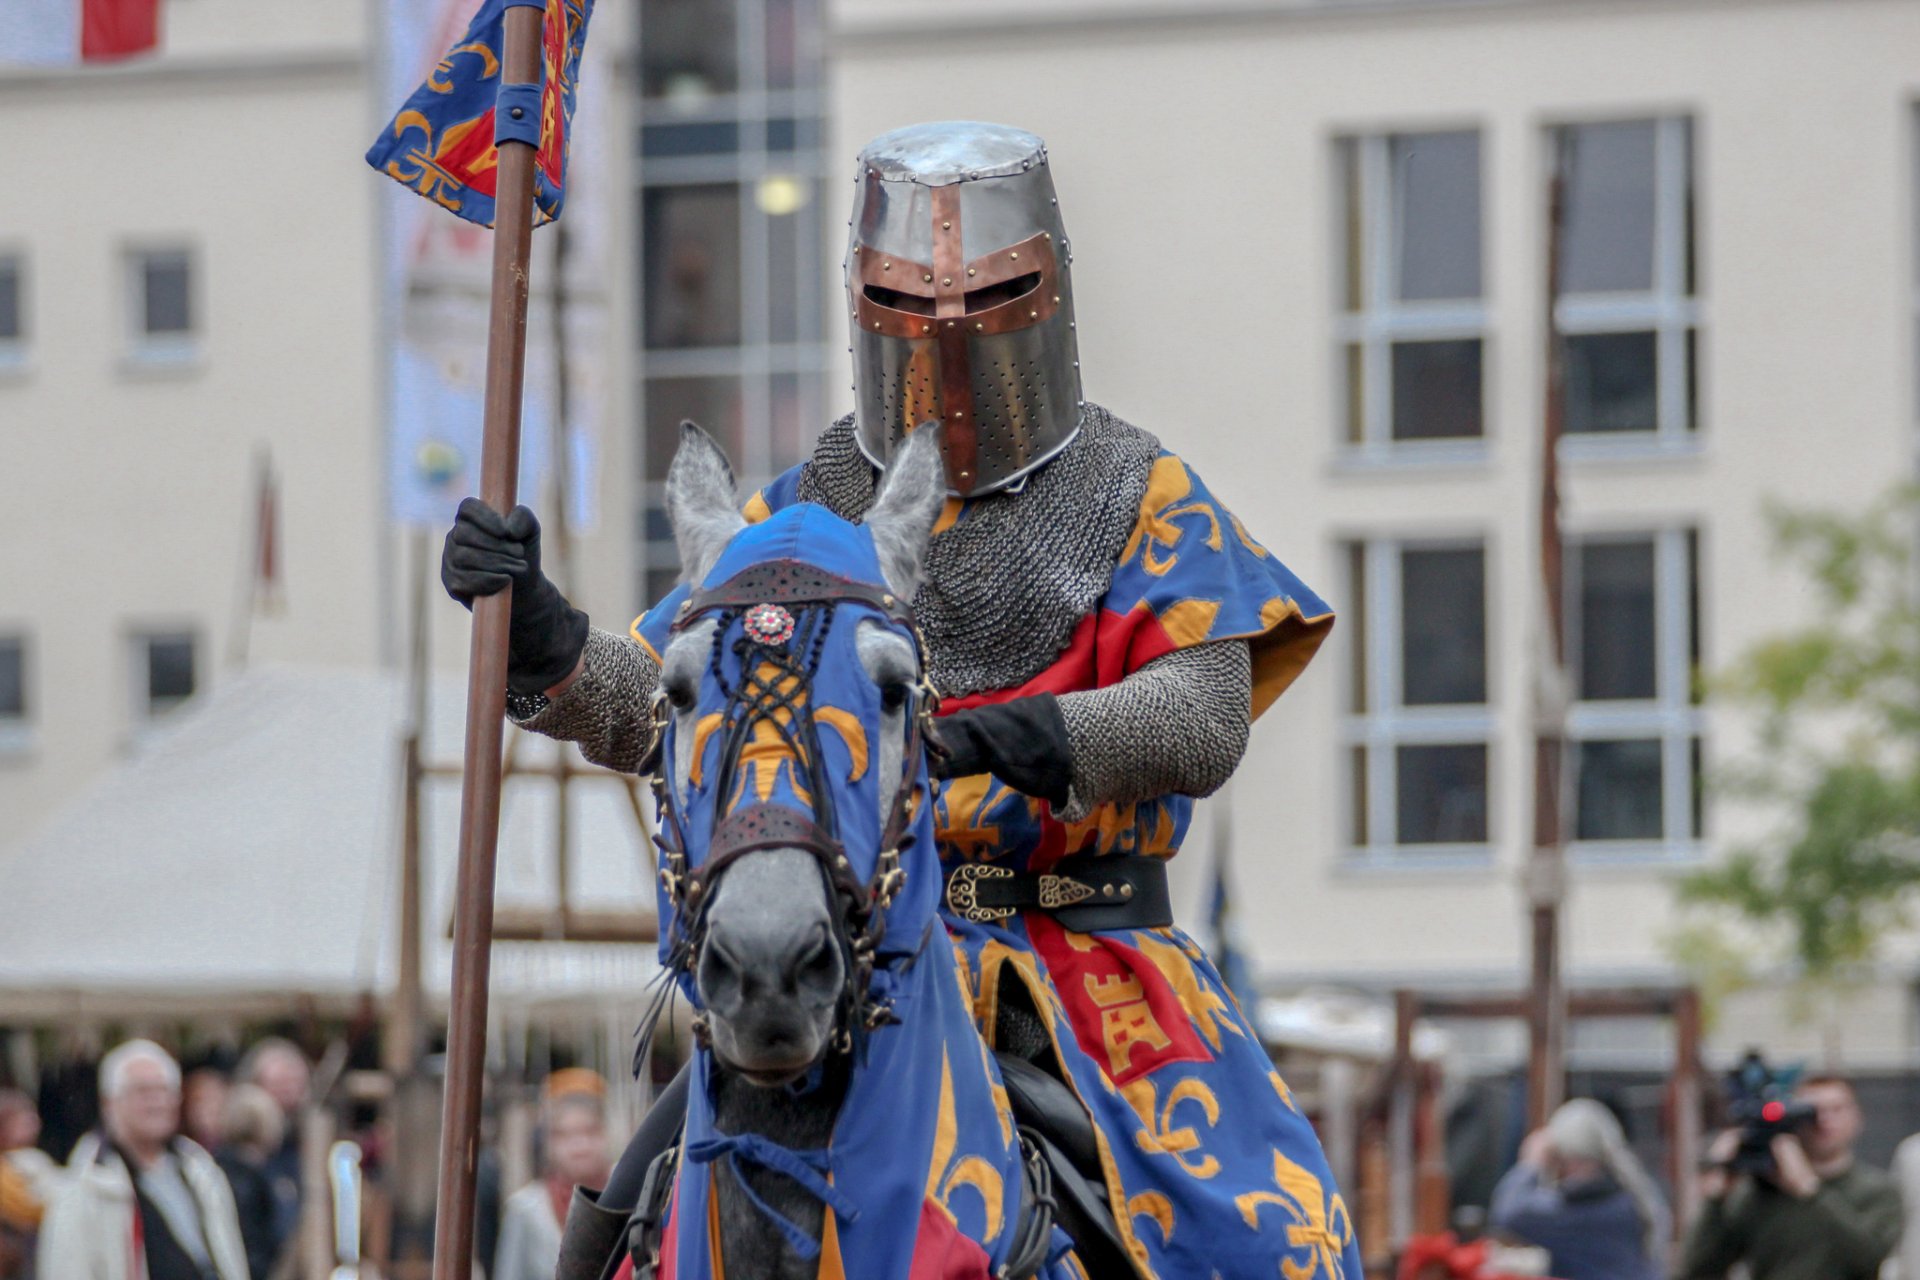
(605, 706)
(1177, 726)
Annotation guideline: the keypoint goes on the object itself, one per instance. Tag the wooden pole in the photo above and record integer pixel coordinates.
(487, 680)
(1546, 869)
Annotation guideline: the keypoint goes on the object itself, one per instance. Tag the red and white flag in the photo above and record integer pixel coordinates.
(65, 32)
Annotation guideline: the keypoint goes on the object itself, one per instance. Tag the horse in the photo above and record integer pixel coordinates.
(844, 1116)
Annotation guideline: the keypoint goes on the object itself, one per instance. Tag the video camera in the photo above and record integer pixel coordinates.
(1761, 1102)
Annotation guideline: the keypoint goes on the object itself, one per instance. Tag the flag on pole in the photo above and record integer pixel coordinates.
(442, 143)
(67, 32)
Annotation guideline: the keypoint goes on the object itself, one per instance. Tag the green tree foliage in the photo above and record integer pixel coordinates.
(1836, 768)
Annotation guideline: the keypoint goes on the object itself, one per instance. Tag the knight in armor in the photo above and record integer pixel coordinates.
(1103, 633)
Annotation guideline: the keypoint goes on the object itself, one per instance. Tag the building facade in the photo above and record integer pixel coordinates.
(1310, 244)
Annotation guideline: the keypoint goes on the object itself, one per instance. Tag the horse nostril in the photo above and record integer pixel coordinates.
(817, 964)
(722, 978)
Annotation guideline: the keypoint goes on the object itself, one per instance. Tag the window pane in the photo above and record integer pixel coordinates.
(1620, 793)
(1443, 642)
(13, 679)
(793, 422)
(1436, 389)
(166, 289)
(793, 248)
(687, 50)
(663, 575)
(1356, 621)
(1436, 215)
(1618, 645)
(692, 285)
(1612, 383)
(787, 66)
(1358, 780)
(703, 138)
(11, 323)
(1695, 692)
(1607, 242)
(169, 670)
(711, 403)
(1699, 788)
(1442, 793)
(1356, 391)
(1347, 160)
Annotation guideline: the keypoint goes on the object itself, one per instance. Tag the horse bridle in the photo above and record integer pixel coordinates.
(777, 676)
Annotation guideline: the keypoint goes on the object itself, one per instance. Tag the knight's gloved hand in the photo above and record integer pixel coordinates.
(486, 552)
(1023, 743)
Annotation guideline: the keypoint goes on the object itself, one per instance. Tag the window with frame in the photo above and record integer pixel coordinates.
(1419, 724)
(1627, 311)
(13, 308)
(163, 306)
(15, 710)
(733, 186)
(1633, 648)
(165, 671)
(1413, 320)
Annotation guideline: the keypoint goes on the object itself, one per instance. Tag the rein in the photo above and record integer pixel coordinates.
(789, 610)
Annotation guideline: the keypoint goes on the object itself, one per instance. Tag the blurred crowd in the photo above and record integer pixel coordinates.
(196, 1175)
(1781, 1197)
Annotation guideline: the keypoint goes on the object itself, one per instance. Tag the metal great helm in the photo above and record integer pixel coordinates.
(962, 310)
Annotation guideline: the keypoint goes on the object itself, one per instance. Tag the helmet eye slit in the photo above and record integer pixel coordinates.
(896, 300)
(990, 296)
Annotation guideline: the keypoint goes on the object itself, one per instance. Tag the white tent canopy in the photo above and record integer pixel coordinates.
(245, 858)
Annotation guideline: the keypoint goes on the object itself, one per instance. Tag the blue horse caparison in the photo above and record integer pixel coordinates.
(845, 1117)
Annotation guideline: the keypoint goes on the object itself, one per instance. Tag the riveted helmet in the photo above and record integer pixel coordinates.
(962, 311)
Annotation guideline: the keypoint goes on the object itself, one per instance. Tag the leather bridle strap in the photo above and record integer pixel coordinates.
(813, 593)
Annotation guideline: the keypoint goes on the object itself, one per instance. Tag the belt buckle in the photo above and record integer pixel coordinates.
(963, 897)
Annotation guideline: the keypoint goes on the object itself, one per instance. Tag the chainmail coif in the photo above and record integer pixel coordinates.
(1006, 586)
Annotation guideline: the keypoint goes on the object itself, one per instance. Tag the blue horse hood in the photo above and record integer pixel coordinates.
(802, 532)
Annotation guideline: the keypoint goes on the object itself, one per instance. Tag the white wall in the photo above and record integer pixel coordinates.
(1194, 164)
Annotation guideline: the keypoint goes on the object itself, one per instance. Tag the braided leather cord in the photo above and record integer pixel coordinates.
(1177, 726)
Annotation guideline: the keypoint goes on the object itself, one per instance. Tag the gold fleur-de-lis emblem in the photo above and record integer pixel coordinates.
(1318, 1220)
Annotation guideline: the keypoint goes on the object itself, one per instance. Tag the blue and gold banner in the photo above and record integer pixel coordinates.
(442, 144)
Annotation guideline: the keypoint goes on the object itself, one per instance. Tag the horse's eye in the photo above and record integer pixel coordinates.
(680, 695)
(893, 695)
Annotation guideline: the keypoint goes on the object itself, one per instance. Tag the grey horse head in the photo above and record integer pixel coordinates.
(770, 968)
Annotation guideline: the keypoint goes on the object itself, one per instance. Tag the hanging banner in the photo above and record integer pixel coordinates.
(437, 272)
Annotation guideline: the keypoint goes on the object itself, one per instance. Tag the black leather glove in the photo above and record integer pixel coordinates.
(484, 553)
(1023, 743)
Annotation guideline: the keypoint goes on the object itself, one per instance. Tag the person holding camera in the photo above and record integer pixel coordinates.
(1797, 1206)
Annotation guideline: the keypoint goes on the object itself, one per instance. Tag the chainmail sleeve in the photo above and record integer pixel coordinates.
(1177, 726)
(605, 709)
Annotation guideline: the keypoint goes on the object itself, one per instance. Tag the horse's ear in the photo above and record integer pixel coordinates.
(912, 492)
(700, 502)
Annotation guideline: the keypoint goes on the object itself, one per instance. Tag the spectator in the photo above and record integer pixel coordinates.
(577, 1153)
(203, 1103)
(141, 1202)
(1580, 1194)
(20, 1214)
(254, 1128)
(279, 1067)
(19, 1145)
(1818, 1215)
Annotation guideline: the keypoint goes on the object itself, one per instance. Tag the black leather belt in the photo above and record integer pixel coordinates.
(1124, 891)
